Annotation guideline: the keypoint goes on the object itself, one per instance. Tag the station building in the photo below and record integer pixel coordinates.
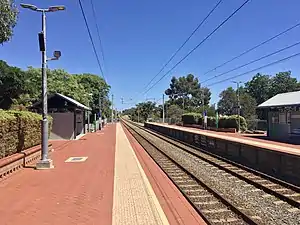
(283, 112)
(70, 117)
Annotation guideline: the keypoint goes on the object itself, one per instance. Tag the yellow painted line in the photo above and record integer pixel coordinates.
(134, 201)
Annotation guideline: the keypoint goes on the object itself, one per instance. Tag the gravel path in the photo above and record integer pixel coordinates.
(268, 208)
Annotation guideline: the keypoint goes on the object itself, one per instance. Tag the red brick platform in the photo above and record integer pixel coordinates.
(71, 193)
(83, 192)
(176, 207)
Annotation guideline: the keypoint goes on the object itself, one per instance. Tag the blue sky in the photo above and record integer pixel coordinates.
(139, 37)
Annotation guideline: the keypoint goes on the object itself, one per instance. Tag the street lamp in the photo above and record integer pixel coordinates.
(88, 112)
(45, 162)
(238, 103)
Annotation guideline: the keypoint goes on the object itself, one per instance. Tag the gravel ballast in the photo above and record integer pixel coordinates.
(269, 209)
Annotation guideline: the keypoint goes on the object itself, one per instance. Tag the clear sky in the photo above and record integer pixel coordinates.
(139, 36)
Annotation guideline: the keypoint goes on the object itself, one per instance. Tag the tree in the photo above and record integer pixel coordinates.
(95, 85)
(248, 105)
(186, 92)
(174, 112)
(283, 82)
(228, 104)
(259, 88)
(8, 19)
(12, 84)
(262, 87)
(59, 81)
(145, 109)
(19, 89)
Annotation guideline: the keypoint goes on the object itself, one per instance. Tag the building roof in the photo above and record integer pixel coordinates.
(68, 99)
(71, 100)
(284, 99)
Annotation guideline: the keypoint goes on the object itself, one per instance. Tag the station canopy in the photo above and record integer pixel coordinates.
(282, 100)
(58, 96)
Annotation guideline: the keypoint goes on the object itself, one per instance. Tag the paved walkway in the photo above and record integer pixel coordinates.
(135, 202)
(116, 184)
(71, 193)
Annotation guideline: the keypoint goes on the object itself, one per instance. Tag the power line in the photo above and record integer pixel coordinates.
(251, 71)
(89, 32)
(197, 46)
(97, 28)
(253, 61)
(184, 43)
(253, 48)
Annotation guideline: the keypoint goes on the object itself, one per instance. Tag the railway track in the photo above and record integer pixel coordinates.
(211, 204)
(285, 191)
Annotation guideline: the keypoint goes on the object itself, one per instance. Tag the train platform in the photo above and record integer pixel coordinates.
(252, 140)
(103, 178)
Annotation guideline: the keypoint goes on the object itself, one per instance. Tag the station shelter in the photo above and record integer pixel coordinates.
(283, 118)
(70, 117)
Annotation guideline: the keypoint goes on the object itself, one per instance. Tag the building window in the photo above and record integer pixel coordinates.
(282, 118)
(275, 118)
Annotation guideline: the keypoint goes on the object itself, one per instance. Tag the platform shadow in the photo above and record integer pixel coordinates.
(29, 167)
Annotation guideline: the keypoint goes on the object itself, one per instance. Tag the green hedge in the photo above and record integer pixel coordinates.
(224, 121)
(191, 118)
(233, 122)
(19, 130)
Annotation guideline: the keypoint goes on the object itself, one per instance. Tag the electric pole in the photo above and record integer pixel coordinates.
(163, 105)
(238, 103)
(100, 113)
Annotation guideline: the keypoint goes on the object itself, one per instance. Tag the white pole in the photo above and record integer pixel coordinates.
(163, 108)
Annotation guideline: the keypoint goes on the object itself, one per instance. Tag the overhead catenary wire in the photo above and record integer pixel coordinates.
(98, 32)
(91, 38)
(251, 71)
(184, 43)
(253, 48)
(253, 61)
(197, 46)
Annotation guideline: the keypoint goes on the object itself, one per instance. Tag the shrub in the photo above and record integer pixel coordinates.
(8, 134)
(190, 118)
(211, 121)
(224, 121)
(232, 122)
(19, 130)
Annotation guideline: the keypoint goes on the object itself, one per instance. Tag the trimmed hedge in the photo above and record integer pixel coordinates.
(19, 130)
(191, 118)
(224, 121)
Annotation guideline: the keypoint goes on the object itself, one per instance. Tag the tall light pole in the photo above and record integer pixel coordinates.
(100, 110)
(163, 105)
(45, 162)
(88, 112)
(238, 103)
